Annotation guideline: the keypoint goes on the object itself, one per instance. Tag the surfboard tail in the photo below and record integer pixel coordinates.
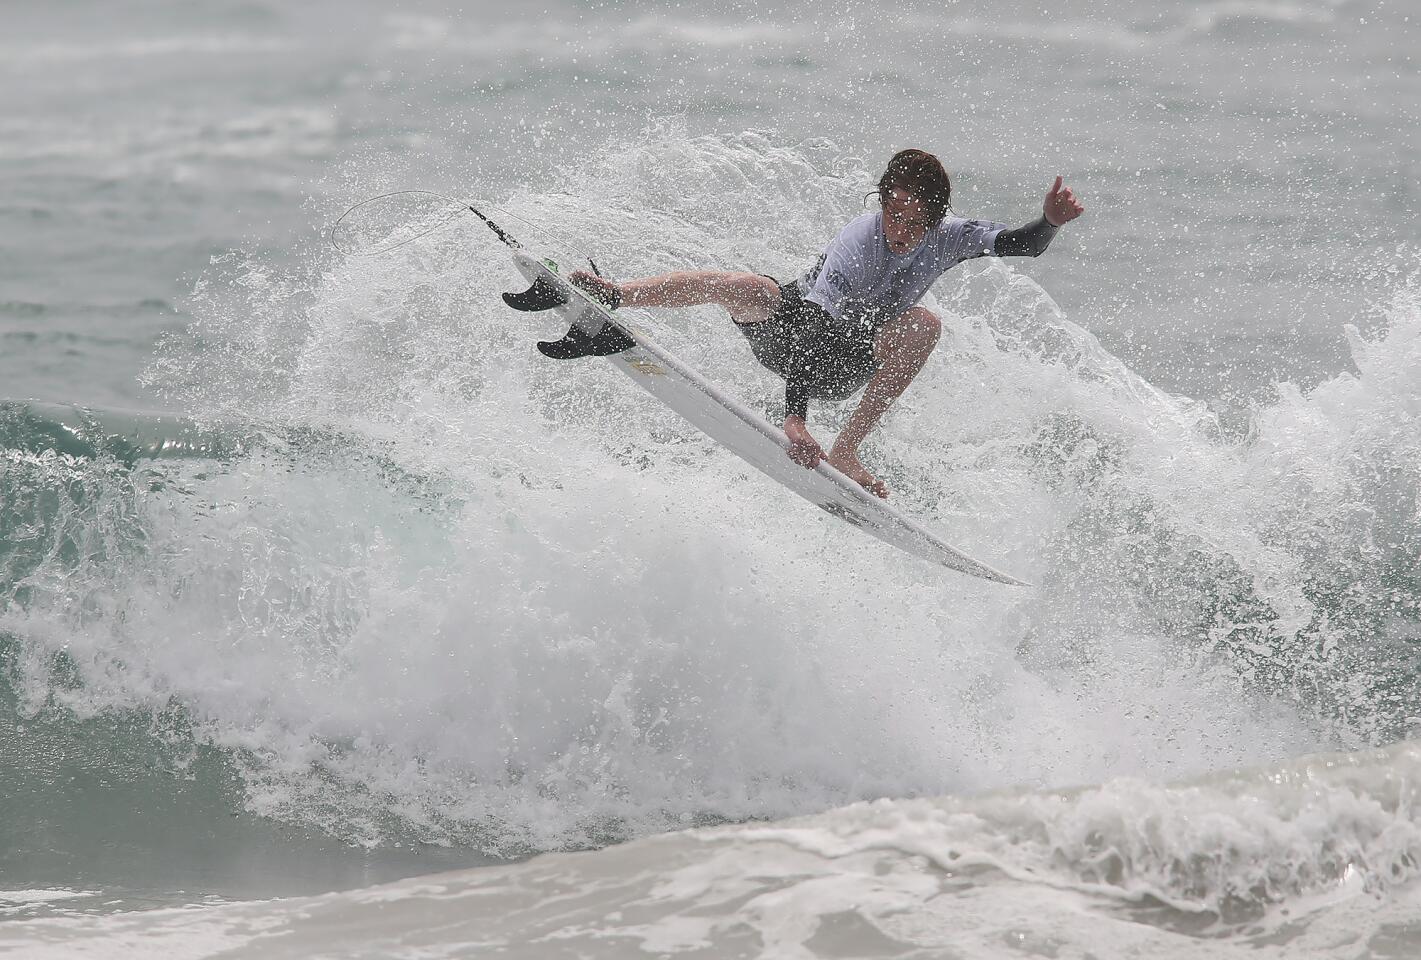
(593, 333)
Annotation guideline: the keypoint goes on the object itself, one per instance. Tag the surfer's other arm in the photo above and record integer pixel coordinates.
(1060, 208)
(902, 346)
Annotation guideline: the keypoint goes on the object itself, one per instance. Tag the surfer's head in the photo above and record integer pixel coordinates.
(915, 187)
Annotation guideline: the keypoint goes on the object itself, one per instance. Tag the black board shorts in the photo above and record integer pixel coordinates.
(800, 343)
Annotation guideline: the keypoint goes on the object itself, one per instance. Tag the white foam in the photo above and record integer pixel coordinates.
(43, 902)
(42, 896)
(1308, 858)
(470, 596)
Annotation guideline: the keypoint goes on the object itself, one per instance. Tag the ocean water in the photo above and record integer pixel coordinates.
(335, 621)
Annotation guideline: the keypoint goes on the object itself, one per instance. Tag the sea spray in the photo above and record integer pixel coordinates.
(457, 593)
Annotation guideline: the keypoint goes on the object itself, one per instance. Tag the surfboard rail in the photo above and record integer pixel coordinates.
(741, 430)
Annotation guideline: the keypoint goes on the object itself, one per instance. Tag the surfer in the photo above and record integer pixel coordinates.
(853, 321)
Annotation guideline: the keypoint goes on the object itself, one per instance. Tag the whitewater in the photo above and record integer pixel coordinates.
(337, 621)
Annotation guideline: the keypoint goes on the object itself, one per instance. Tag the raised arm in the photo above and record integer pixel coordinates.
(1060, 208)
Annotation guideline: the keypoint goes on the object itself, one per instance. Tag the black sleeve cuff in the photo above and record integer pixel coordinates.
(1028, 241)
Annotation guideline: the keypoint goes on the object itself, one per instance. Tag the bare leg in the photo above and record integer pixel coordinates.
(902, 346)
(748, 297)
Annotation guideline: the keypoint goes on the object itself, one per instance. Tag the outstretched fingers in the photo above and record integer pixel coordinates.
(1061, 205)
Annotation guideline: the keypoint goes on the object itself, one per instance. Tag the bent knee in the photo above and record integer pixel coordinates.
(916, 327)
(922, 323)
(755, 290)
(911, 336)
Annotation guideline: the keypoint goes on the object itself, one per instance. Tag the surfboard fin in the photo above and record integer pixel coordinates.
(609, 340)
(542, 295)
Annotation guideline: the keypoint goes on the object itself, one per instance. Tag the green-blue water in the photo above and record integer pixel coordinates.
(314, 574)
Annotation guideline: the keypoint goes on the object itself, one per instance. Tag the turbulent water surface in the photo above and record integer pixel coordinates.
(315, 577)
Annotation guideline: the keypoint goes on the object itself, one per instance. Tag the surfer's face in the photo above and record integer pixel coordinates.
(905, 221)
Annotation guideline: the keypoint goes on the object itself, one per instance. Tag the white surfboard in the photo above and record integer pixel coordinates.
(744, 432)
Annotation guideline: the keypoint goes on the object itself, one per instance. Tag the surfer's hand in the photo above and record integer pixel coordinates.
(1061, 205)
(847, 463)
(803, 449)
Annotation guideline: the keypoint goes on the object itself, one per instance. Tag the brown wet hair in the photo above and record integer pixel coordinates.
(921, 175)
